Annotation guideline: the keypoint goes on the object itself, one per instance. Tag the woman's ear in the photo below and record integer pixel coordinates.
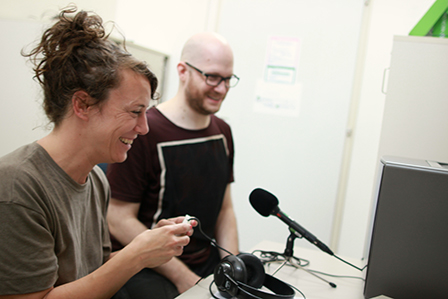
(81, 104)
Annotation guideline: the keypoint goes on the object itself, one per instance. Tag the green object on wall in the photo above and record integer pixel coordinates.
(434, 21)
(440, 29)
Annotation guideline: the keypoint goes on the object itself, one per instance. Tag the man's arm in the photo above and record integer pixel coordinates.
(179, 274)
(226, 237)
(226, 228)
(124, 226)
(123, 222)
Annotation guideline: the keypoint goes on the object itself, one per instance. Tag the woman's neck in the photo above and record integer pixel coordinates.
(68, 153)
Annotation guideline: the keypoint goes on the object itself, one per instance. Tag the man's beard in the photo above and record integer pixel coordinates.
(196, 102)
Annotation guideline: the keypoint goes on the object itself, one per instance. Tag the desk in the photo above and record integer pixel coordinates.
(312, 287)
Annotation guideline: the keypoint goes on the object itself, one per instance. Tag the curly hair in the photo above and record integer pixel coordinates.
(75, 54)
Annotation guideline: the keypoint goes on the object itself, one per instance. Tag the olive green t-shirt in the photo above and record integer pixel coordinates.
(52, 229)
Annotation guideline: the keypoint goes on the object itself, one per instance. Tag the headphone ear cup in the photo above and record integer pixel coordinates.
(254, 269)
(233, 267)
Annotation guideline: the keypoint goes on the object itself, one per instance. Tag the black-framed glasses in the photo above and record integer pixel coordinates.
(215, 80)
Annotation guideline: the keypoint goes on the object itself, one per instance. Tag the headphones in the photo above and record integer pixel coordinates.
(242, 276)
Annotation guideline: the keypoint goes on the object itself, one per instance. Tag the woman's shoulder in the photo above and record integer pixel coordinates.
(21, 177)
(19, 160)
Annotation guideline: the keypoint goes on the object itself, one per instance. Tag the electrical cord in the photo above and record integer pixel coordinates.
(212, 241)
(301, 293)
(337, 276)
(271, 256)
(350, 264)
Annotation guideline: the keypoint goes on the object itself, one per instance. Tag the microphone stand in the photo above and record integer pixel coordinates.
(288, 255)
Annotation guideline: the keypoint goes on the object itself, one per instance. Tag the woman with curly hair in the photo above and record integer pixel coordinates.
(53, 198)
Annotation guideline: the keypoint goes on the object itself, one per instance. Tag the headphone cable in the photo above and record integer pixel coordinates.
(212, 241)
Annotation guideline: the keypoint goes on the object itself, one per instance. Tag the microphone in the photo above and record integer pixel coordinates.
(266, 204)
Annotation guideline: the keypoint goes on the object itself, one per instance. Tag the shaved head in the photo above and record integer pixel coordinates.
(205, 55)
(206, 47)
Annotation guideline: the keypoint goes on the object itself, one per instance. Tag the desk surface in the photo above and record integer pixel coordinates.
(312, 287)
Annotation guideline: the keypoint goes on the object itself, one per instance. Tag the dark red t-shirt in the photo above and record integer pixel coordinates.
(172, 171)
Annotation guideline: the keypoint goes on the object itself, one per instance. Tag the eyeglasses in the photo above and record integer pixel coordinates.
(215, 80)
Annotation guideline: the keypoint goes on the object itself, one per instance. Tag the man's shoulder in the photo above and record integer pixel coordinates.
(157, 118)
(218, 118)
(220, 122)
(153, 112)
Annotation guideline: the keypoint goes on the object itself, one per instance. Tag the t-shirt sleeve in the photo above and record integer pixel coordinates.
(27, 259)
(104, 197)
(227, 131)
(231, 156)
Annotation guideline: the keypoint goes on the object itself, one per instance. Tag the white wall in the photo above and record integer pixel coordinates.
(165, 25)
(22, 120)
(45, 9)
(387, 18)
(296, 158)
(21, 23)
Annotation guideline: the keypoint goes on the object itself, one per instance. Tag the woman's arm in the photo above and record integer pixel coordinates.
(149, 249)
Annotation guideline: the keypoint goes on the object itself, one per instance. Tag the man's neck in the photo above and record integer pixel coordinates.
(179, 113)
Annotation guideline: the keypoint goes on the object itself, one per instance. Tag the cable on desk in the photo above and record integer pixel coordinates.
(350, 264)
(199, 280)
(301, 293)
(335, 275)
(272, 256)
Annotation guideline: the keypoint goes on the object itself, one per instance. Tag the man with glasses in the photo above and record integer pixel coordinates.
(184, 165)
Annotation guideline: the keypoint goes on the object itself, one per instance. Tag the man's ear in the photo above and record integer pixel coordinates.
(182, 70)
(81, 104)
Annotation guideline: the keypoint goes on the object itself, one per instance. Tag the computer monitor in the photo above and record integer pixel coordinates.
(408, 256)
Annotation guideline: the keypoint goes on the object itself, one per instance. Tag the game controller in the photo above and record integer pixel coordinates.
(187, 218)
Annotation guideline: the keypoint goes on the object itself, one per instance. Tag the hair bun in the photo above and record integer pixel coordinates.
(74, 31)
(75, 54)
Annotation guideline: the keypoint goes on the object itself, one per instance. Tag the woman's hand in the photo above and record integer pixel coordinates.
(177, 220)
(157, 246)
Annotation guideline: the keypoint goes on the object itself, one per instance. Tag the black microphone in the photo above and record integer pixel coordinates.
(266, 204)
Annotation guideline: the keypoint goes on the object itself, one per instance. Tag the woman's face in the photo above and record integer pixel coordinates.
(121, 118)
